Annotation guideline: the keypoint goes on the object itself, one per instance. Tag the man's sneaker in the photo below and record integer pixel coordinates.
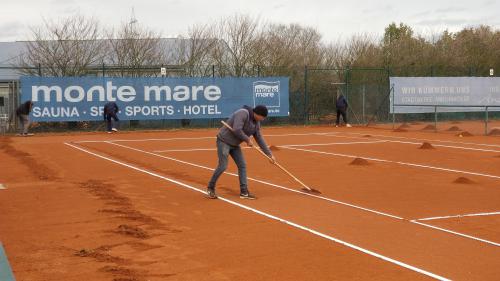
(348, 125)
(211, 193)
(114, 129)
(247, 196)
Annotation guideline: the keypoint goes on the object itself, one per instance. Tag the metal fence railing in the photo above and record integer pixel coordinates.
(485, 110)
(312, 92)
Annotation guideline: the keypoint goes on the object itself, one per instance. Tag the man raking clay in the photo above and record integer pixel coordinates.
(244, 122)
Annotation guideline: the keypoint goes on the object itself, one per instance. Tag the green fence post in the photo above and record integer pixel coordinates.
(306, 113)
(393, 107)
(364, 90)
(347, 79)
(435, 119)
(486, 120)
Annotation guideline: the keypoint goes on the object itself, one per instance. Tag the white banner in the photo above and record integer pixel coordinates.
(450, 94)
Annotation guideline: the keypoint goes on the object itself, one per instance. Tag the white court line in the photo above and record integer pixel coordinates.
(459, 216)
(141, 140)
(432, 140)
(396, 162)
(448, 146)
(294, 145)
(298, 226)
(293, 190)
(328, 134)
(185, 150)
(457, 233)
(419, 143)
(334, 143)
(259, 181)
(189, 138)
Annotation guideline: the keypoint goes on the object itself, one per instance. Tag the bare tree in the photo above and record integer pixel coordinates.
(64, 48)
(133, 48)
(281, 43)
(237, 46)
(194, 52)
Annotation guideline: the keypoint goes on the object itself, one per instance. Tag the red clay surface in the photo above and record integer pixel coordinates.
(67, 214)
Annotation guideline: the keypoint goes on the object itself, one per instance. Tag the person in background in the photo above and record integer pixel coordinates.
(342, 106)
(110, 111)
(23, 112)
(245, 122)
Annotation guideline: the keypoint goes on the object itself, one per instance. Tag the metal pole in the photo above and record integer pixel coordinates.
(364, 89)
(393, 108)
(347, 81)
(306, 113)
(486, 120)
(435, 119)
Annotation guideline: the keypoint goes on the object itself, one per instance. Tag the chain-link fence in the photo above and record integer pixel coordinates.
(312, 91)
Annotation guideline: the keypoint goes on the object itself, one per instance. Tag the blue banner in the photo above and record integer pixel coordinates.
(83, 98)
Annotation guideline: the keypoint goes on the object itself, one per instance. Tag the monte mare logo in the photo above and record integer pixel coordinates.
(266, 93)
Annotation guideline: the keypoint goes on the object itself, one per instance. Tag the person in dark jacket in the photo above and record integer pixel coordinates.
(23, 112)
(245, 123)
(341, 106)
(110, 111)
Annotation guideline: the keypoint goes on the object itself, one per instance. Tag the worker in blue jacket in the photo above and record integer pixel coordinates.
(110, 116)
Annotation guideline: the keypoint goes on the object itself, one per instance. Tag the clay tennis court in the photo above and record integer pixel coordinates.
(404, 205)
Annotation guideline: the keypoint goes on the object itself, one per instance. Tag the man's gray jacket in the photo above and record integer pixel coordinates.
(244, 125)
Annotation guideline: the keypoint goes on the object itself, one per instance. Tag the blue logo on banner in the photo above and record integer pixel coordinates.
(266, 93)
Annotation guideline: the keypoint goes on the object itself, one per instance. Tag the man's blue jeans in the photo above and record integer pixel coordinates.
(223, 151)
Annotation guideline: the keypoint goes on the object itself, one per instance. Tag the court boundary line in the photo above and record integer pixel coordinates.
(246, 147)
(185, 150)
(459, 216)
(191, 138)
(327, 134)
(456, 233)
(261, 181)
(293, 190)
(395, 162)
(335, 143)
(145, 140)
(272, 217)
(418, 139)
(447, 146)
(417, 143)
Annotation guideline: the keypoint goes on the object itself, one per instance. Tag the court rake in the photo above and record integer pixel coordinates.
(305, 187)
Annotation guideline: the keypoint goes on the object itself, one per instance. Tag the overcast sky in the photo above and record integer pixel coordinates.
(335, 20)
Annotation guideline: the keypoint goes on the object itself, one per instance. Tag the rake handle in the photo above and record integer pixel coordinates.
(275, 162)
